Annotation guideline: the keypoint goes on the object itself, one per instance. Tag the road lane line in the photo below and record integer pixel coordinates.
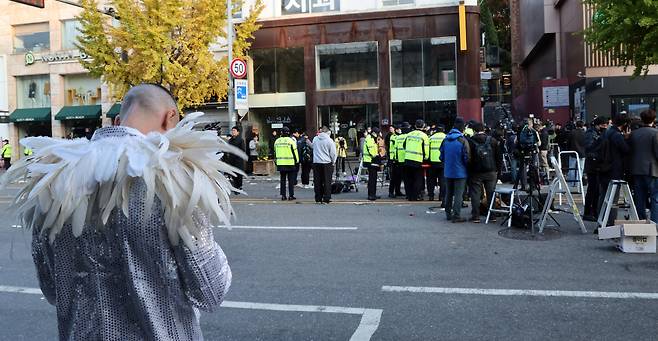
(515, 292)
(370, 318)
(316, 228)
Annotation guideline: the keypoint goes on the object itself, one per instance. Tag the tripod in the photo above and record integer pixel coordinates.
(353, 179)
(530, 158)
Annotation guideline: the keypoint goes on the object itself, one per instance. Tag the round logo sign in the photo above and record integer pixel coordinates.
(29, 58)
(238, 68)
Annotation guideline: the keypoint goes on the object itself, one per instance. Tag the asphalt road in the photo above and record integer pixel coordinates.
(327, 284)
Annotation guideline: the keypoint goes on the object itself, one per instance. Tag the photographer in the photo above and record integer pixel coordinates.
(611, 158)
(529, 143)
(483, 170)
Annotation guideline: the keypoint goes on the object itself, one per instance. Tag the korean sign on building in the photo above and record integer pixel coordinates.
(309, 6)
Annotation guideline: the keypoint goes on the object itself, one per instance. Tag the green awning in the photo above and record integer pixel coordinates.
(79, 112)
(30, 115)
(114, 111)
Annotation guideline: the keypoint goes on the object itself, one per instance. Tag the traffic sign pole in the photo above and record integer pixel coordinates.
(229, 32)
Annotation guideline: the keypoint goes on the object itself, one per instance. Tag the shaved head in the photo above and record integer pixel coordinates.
(148, 107)
(146, 99)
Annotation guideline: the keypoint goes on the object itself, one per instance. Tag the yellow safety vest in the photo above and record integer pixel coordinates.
(469, 132)
(435, 146)
(341, 151)
(417, 146)
(6, 151)
(285, 151)
(399, 148)
(27, 151)
(392, 149)
(369, 149)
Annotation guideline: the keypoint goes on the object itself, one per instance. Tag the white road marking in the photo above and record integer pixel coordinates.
(515, 292)
(369, 323)
(316, 228)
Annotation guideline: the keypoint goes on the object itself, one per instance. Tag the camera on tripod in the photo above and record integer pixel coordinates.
(529, 138)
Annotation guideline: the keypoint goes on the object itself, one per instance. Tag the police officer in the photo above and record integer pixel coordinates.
(6, 153)
(417, 151)
(371, 160)
(401, 155)
(396, 169)
(435, 173)
(287, 159)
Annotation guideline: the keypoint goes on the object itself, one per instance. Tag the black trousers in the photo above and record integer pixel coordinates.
(394, 187)
(306, 172)
(289, 175)
(322, 181)
(7, 162)
(372, 180)
(478, 182)
(592, 195)
(415, 181)
(434, 178)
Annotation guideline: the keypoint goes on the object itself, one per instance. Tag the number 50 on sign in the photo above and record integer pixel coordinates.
(238, 68)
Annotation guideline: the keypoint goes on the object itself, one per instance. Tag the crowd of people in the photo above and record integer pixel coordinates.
(467, 160)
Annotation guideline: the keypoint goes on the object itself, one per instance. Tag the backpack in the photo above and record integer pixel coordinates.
(485, 160)
(527, 138)
(337, 187)
(306, 153)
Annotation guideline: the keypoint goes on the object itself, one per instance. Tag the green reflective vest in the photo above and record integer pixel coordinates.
(417, 146)
(435, 146)
(392, 149)
(285, 151)
(6, 151)
(370, 149)
(399, 148)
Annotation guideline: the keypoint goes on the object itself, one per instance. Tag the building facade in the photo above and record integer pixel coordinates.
(559, 77)
(349, 65)
(49, 93)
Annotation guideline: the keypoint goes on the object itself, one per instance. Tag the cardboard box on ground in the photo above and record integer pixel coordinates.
(632, 236)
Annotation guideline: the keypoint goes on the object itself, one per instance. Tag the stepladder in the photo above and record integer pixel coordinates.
(617, 188)
(558, 188)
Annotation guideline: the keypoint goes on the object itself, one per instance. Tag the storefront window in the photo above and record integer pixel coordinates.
(423, 62)
(347, 66)
(33, 91)
(278, 70)
(82, 90)
(31, 37)
(342, 119)
(268, 119)
(70, 32)
(432, 112)
(634, 105)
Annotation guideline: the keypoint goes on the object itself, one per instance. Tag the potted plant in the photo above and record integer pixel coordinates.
(263, 166)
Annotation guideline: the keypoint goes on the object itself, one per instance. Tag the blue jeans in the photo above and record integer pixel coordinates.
(646, 189)
(454, 197)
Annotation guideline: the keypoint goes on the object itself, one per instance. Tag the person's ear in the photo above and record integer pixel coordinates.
(170, 119)
(117, 121)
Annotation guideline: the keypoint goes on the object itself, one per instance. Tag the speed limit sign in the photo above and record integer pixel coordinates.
(238, 68)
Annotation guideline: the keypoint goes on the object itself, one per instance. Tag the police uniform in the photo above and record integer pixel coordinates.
(400, 157)
(416, 152)
(6, 155)
(287, 158)
(435, 173)
(371, 161)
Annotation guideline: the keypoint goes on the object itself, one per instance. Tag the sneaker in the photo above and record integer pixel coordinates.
(492, 219)
(475, 220)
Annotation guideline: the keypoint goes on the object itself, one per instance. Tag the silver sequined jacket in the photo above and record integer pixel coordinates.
(125, 280)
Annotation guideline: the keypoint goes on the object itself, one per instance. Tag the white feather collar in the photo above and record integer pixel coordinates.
(70, 181)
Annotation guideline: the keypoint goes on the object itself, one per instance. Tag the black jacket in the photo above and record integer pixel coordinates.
(619, 149)
(495, 146)
(577, 142)
(232, 159)
(644, 151)
(592, 144)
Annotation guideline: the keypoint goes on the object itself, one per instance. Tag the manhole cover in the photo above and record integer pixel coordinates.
(525, 234)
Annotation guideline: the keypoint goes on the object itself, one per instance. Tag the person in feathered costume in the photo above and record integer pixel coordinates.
(122, 224)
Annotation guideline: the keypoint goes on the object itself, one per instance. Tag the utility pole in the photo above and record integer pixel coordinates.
(229, 33)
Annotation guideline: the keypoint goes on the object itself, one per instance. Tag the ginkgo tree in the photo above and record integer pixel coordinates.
(628, 29)
(165, 42)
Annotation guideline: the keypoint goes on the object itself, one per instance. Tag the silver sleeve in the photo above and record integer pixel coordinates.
(204, 269)
(43, 262)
